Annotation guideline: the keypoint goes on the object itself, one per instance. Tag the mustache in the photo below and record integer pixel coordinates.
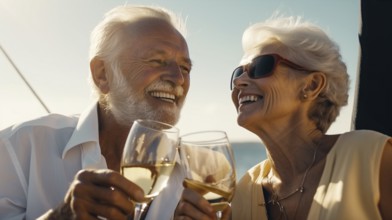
(166, 87)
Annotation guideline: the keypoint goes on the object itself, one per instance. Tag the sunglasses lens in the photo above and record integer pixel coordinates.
(236, 73)
(262, 66)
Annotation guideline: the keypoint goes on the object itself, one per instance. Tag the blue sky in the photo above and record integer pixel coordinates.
(48, 40)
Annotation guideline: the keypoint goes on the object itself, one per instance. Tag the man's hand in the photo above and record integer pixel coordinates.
(98, 193)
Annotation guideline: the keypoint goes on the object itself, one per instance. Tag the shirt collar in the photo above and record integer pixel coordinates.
(86, 134)
(86, 130)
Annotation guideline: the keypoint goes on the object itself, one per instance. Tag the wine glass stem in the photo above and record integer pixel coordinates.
(139, 208)
(218, 215)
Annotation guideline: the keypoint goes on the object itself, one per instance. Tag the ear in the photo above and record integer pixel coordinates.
(98, 73)
(315, 83)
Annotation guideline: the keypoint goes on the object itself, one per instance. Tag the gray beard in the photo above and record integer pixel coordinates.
(127, 106)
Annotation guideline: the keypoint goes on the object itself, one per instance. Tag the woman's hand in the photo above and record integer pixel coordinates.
(193, 206)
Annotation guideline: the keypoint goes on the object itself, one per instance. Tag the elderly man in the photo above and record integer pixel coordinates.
(67, 166)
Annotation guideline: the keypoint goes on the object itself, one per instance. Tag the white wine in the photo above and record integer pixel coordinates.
(218, 198)
(151, 178)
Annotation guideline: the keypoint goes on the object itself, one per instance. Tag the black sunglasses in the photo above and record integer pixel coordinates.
(262, 66)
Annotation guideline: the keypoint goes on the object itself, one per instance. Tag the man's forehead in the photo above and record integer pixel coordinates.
(160, 51)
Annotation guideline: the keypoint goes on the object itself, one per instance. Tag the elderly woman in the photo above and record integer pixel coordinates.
(288, 90)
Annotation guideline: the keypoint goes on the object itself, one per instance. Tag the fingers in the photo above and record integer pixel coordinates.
(113, 179)
(86, 194)
(197, 200)
(193, 206)
(226, 214)
(102, 193)
(84, 209)
(188, 211)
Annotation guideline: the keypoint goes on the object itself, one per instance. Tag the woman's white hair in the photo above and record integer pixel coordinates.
(305, 44)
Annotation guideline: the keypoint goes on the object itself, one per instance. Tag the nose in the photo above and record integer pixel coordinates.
(174, 74)
(241, 81)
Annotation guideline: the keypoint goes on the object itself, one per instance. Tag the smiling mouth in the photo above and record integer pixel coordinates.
(164, 96)
(248, 99)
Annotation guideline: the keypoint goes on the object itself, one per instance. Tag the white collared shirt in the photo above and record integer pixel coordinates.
(39, 159)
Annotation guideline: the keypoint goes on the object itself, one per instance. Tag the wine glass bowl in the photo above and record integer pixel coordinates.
(149, 158)
(209, 164)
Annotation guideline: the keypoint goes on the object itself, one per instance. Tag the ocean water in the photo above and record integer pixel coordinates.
(246, 155)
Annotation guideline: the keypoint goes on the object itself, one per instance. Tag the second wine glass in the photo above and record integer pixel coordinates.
(149, 158)
(210, 167)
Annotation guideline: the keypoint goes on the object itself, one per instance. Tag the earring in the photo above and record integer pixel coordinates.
(305, 96)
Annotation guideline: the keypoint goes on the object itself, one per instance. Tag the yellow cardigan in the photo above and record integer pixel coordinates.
(348, 188)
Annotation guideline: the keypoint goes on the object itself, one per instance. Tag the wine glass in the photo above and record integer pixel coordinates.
(209, 165)
(149, 158)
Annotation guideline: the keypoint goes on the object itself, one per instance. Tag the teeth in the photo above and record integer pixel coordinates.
(163, 95)
(248, 98)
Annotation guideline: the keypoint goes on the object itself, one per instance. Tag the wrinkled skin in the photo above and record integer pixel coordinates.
(153, 54)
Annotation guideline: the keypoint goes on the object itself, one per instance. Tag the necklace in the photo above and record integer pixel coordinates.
(276, 199)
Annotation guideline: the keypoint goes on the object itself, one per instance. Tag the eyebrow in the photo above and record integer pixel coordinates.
(188, 61)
